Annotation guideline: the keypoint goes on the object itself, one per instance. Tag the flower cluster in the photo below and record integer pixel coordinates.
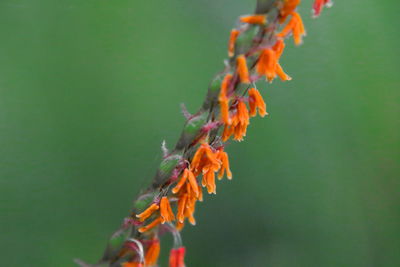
(255, 48)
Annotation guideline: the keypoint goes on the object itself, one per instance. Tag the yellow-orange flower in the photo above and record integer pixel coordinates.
(152, 253)
(222, 156)
(165, 210)
(288, 7)
(150, 225)
(256, 102)
(266, 64)
(224, 100)
(232, 40)
(148, 212)
(242, 70)
(204, 156)
(254, 19)
(240, 121)
(296, 26)
(189, 177)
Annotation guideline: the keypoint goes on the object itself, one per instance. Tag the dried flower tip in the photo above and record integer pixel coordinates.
(242, 69)
(232, 40)
(166, 212)
(148, 212)
(177, 257)
(254, 19)
(185, 112)
(150, 225)
(164, 149)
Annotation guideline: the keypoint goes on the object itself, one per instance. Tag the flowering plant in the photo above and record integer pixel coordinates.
(255, 47)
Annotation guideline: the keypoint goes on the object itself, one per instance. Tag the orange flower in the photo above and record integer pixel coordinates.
(132, 264)
(241, 66)
(282, 74)
(267, 63)
(187, 176)
(177, 257)
(223, 157)
(254, 19)
(150, 225)
(148, 212)
(288, 7)
(180, 215)
(296, 26)
(224, 100)
(256, 102)
(152, 253)
(242, 121)
(318, 5)
(203, 156)
(232, 39)
(166, 212)
(209, 178)
(190, 208)
(239, 124)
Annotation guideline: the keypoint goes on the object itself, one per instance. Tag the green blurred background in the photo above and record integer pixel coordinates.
(90, 88)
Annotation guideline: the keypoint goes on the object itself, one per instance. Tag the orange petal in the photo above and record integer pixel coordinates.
(152, 253)
(150, 225)
(254, 19)
(242, 69)
(148, 212)
(232, 39)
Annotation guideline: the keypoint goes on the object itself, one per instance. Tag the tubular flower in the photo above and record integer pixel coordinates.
(152, 253)
(148, 212)
(254, 19)
(209, 178)
(189, 177)
(150, 225)
(266, 64)
(318, 5)
(204, 156)
(166, 212)
(177, 257)
(224, 100)
(232, 40)
(295, 25)
(239, 124)
(242, 69)
(222, 156)
(256, 102)
(180, 215)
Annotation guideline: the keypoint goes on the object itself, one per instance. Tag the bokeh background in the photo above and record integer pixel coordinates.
(89, 89)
